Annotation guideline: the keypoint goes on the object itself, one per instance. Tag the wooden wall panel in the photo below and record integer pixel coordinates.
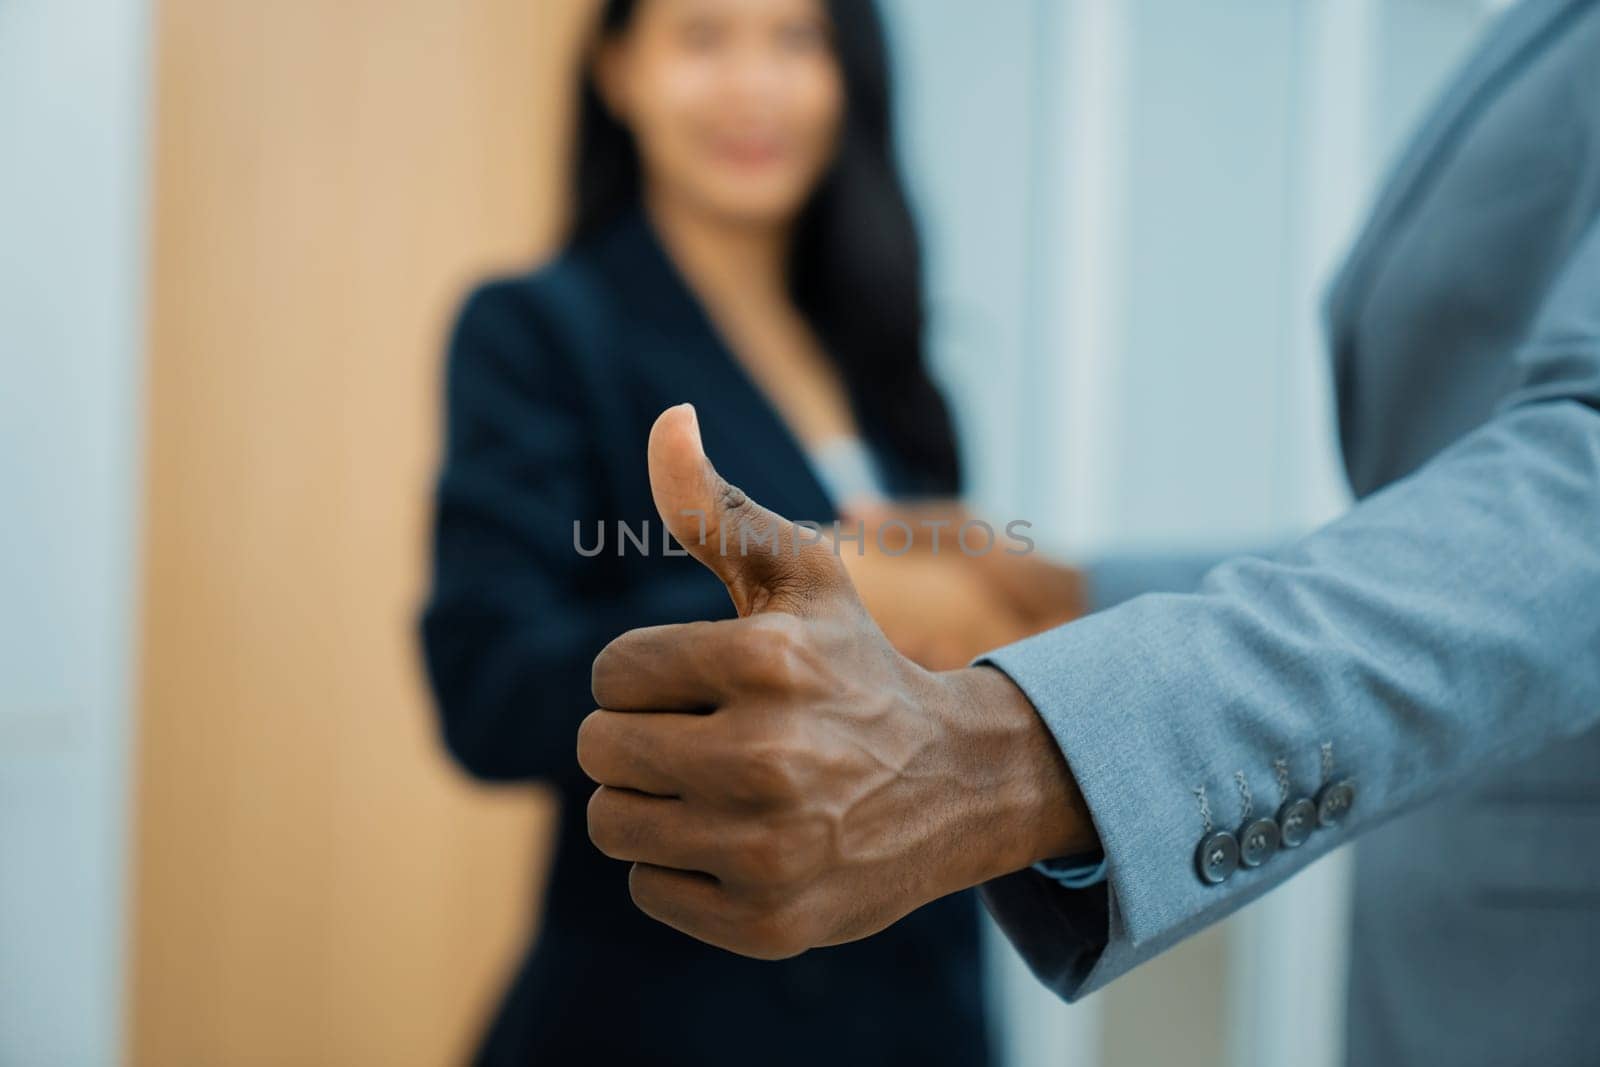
(314, 883)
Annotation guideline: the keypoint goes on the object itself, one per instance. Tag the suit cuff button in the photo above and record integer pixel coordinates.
(1257, 841)
(1296, 820)
(1217, 857)
(1333, 802)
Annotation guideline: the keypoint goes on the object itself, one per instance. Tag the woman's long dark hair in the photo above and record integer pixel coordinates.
(855, 269)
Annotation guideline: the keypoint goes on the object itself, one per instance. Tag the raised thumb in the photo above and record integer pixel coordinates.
(767, 562)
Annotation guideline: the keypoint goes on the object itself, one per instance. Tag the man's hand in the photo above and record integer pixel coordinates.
(786, 779)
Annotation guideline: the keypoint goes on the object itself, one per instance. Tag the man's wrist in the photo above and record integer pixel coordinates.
(1031, 804)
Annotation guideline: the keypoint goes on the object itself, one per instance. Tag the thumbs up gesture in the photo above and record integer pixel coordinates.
(786, 779)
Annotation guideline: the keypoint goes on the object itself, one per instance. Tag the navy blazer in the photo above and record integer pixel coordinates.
(554, 379)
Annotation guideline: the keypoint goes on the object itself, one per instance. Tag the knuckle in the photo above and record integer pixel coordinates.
(767, 860)
(774, 933)
(740, 645)
(779, 651)
(730, 498)
(643, 890)
(780, 626)
(777, 666)
(653, 893)
(591, 743)
(768, 775)
(614, 677)
(606, 830)
(603, 675)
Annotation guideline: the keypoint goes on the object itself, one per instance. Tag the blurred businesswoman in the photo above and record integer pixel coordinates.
(741, 240)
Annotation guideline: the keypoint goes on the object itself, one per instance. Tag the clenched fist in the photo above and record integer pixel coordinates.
(786, 779)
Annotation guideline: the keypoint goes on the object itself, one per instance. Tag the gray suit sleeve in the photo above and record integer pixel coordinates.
(1110, 580)
(1444, 624)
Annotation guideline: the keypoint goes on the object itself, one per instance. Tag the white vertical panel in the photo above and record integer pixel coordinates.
(964, 83)
(1287, 961)
(1077, 273)
(73, 92)
(1202, 314)
(1333, 185)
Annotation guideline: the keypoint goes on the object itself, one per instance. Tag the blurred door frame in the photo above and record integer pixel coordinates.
(313, 882)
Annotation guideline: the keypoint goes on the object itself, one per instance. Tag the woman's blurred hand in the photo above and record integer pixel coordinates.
(942, 606)
(935, 608)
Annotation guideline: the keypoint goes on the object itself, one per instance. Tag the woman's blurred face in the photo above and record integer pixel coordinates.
(735, 104)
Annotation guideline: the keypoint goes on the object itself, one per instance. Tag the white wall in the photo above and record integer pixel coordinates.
(73, 90)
